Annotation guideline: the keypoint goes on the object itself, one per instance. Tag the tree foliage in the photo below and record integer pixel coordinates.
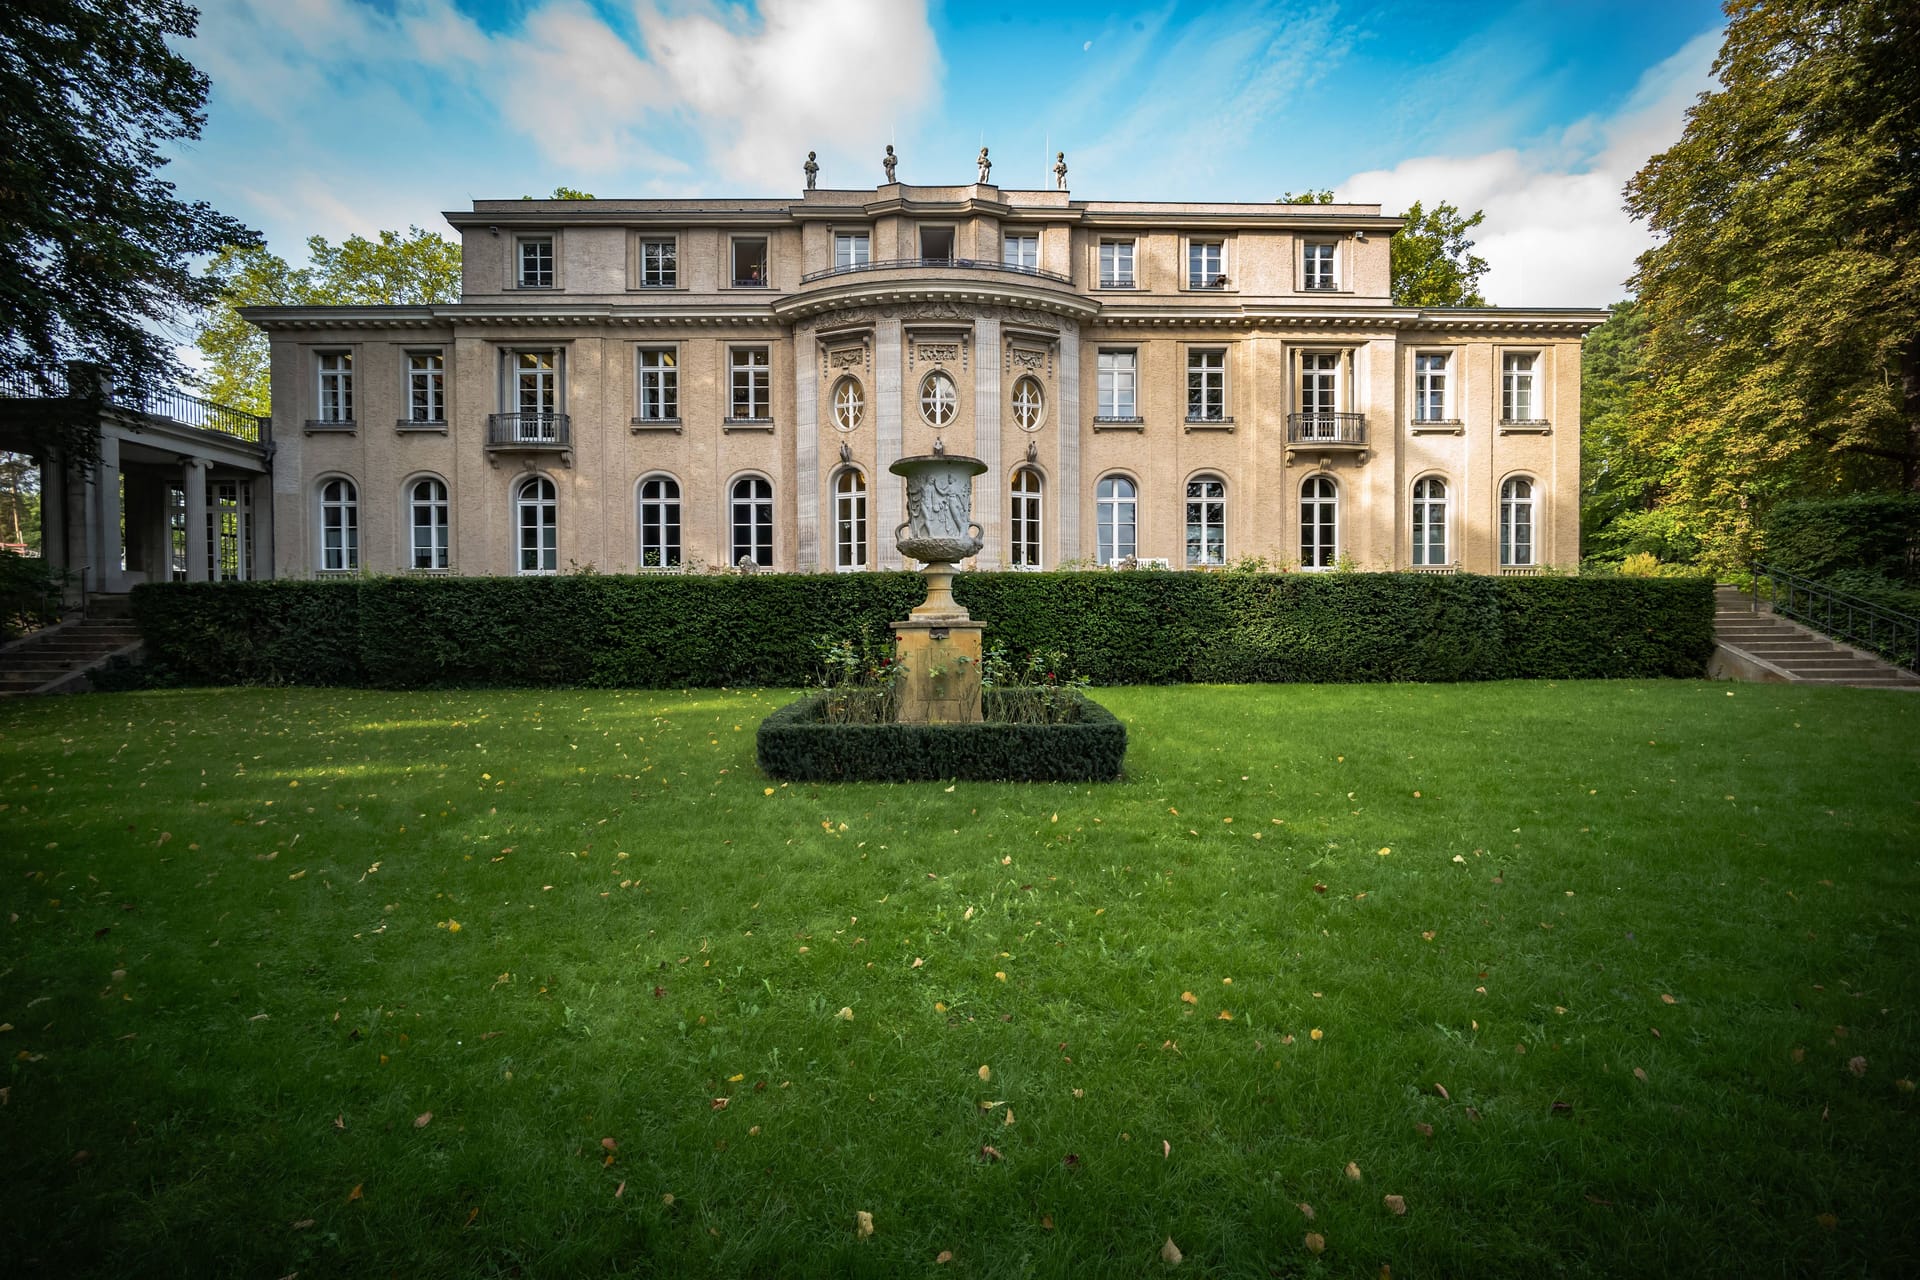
(94, 246)
(565, 193)
(1622, 474)
(1783, 298)
(418, 267)
(1433, 260)
(1309, 196)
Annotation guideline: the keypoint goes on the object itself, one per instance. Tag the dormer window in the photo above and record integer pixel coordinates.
(536, 262)
(750, 263)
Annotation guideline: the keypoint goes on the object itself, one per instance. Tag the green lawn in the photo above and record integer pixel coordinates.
(1599, 979)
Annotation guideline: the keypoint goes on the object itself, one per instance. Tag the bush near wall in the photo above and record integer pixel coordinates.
(1876, 532)
(669, 631)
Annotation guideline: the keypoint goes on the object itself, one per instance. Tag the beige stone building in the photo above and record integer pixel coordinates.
(639, 384)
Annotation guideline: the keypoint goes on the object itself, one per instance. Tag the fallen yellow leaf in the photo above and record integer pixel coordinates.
(1170, 1253)
(862, 1220)
(422, 1120)
(1316, 1243)
(1353, 1171)
(1316, 1034)
(1187, 997)
(986, 1072)
(1395, 1205)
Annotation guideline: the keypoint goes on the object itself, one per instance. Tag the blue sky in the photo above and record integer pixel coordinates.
(335, 116)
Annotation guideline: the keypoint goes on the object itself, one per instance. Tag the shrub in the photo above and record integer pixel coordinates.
(29, 594)
(649, 631)
(1877, 532)
(797, 742)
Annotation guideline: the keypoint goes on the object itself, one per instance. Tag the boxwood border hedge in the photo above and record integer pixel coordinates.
(1147, 627)
(794, 743)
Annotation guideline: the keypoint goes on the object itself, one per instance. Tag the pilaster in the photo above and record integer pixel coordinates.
(806, 450)
(887, 437)
(194, 483)
(1066, 489)
(988, 358)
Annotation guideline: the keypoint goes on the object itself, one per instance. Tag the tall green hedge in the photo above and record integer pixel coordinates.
(1877, 532)
(1148, 627)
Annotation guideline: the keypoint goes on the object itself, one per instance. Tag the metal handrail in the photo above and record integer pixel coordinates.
(528, 430)
(1893, 635)
(1326, 428)
(964, 264)
(165, 403)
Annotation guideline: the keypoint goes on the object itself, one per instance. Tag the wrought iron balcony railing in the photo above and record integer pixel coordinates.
(1327, 428)
(942, 264)
(528, 431)
(166, 404)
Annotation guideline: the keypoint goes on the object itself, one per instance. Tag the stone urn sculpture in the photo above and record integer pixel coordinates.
(939, 643)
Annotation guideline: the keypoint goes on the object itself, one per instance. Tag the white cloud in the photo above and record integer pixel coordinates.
(1556, 233)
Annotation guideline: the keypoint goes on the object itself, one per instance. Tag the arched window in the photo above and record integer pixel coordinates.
(1516, 522)
(339, 526)
(1029, 404)
(1319, 523)
(536, 519)
(1117, 503)
(427, 517)
(850, 521)
(659, 523)
(1206, 521)
(849, 404)
(1027, 529)
(939, 401)
(751, 502)
(1430, 521)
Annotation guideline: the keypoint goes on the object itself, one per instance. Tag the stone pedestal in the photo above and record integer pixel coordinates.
(940, 659)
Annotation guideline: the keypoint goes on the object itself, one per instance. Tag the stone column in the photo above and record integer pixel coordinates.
(887, 438)
(988, 356)
(1066, 489)
(806, 450)
(194, 483)
(103, 535)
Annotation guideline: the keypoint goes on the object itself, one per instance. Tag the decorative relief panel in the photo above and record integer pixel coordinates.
(845, 359)
(938, 354)
(1029, 359)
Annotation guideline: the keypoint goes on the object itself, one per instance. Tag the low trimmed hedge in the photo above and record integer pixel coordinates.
(1148, 627)
(795, 743)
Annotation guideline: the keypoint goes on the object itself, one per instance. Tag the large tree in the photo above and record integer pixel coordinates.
(1433, 260)
(1783, 297)
(94, 246)
(417, 267)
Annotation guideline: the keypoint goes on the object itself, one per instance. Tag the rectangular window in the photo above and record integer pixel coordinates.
(1117, 382)
(536, 262)
(1116, 264)
(750, 263)
(752, 384)
(1430, 388)
(336, 386)
(1021, 252)
(1316, 266)
(1320, 386)
(1206, 264)
(533, 396)
(1206, 386)
(659, 383)
(851, 249)
(936, 244)
(1517, 403)
(426, 386)
(659, 264)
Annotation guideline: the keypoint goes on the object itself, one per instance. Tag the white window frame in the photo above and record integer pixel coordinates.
(334, 371)
(849, 521)
(734, 278)
(539, 536)
(1319, 499)
(1026, 492)
(1029, 403)
(750, 371)
(751, 495)
(658, 514)
(657, 270)
(1319, 266)
(1116, 264)
(339, 499)
(426, 387)
(656, 382)
(847, 402)
(1116, 510)
(1520, 387)
(939, 399)
(536, 394)
(1206, 521)
(437, 546)
(1432, 527)
(1117, 373)
(1202, 273)
(852, 249)
(1020, 250)
(1433, 386)
(1207, 384)
(1519, 522)
(550, 269)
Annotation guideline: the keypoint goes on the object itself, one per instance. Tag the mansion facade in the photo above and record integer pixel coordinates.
(672, 384)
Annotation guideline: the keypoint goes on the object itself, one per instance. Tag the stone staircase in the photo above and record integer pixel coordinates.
(57, 659)
(1754, 645)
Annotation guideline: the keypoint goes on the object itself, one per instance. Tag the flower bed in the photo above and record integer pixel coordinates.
(1084, 743)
